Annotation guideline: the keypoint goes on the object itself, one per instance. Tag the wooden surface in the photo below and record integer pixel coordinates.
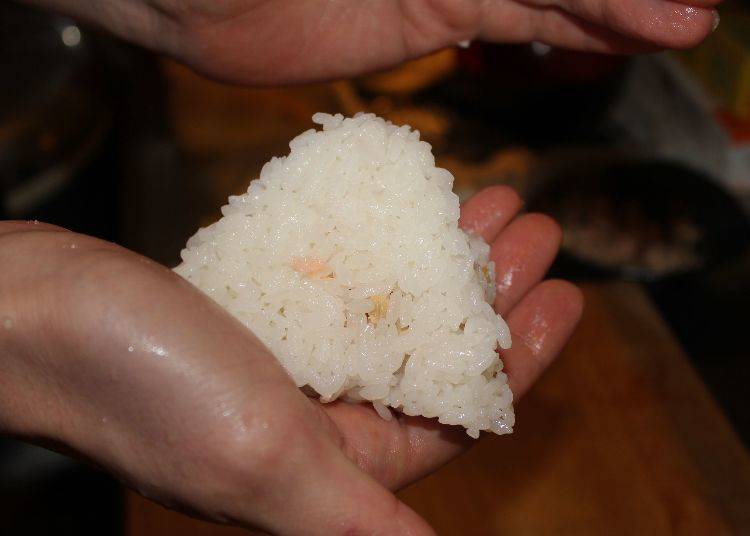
(619, 437)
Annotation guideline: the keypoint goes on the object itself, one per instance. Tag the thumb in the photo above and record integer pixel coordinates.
(327, 494)
(351, 502)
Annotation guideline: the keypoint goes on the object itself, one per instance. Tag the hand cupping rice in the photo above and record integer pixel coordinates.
(346, 260)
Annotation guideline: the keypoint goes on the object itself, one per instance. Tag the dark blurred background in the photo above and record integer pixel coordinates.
(645, 162)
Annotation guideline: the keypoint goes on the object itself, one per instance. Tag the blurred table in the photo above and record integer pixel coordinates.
(619, 437)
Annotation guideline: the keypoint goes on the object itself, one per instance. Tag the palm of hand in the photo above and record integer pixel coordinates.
(257, 41)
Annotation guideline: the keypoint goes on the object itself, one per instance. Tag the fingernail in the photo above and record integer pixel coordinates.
(717, 20)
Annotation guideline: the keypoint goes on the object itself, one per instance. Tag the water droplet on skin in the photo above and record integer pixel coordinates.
(505, 281)
(130, 348)
(159, 351)
(537, 333)
(7, 322)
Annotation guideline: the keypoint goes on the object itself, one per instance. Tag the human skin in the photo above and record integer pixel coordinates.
(114, 358)
(291, 41)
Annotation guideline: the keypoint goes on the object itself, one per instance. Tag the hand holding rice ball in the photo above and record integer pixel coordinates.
(346, 259)
(351, 262)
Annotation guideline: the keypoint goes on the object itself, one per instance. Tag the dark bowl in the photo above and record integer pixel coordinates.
(642, 220)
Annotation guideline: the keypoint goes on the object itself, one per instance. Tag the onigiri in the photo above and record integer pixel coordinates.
(346, 260)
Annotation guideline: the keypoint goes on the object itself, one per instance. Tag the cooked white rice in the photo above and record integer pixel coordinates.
(345, 258)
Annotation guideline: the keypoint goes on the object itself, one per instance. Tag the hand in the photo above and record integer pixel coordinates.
(541, 317)
(282, 41)
(117, 359)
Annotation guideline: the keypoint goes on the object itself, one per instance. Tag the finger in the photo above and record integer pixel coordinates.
(540, 326)
(351, 502)
(402, 450)
(521, 23)
(701, 3)
(522, 253)
(488, 211)
(399, 451)
(663, 23)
